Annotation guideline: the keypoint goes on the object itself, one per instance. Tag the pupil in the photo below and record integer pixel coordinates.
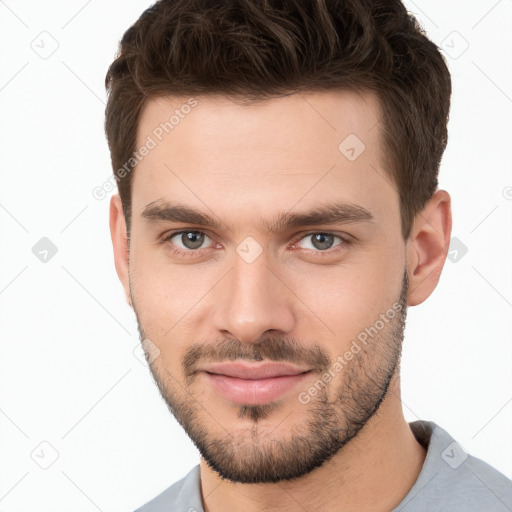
(323, 241)
(192, 239)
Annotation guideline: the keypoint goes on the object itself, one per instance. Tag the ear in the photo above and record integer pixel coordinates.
(120, 244)
(427, 246)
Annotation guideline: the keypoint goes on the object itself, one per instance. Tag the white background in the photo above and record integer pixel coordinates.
(69, 376)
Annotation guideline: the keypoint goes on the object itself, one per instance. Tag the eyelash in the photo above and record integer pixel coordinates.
(192, 253)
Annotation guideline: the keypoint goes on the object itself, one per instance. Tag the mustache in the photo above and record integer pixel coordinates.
(272, 349)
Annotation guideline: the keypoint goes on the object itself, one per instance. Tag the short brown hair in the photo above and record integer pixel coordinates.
(260, 49)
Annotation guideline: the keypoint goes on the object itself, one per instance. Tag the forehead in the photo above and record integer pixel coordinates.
(244, 159)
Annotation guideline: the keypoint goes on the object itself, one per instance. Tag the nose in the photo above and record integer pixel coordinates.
(253, 301)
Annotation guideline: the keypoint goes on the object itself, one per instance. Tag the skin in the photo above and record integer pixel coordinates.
(243, 165)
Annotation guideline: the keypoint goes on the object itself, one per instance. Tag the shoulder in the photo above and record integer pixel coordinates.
(451, 479)
(182, 496)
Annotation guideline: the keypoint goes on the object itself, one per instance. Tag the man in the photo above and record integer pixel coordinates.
(278, 211)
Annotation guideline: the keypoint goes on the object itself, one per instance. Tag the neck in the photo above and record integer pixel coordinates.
(372, 473)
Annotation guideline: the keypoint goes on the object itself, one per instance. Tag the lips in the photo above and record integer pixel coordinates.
(254, 383)
(254, 371)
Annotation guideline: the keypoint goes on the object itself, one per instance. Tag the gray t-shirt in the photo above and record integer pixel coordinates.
(450, 481)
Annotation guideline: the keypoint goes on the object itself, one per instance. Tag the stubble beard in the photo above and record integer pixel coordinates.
(253, 455)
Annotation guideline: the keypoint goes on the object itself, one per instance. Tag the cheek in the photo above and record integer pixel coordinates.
(350, 297)
(160, 311)
(171, 301)
(163, 289)
(175, 303)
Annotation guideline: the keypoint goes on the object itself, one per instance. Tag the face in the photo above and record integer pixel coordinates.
(267, 273)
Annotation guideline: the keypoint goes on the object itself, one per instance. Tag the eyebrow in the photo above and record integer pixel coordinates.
(335, 213)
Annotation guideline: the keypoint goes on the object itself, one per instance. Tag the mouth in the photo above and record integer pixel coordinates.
(254, 383)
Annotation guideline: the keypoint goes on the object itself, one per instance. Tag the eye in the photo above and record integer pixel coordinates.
(320, 241)
(188, 240)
